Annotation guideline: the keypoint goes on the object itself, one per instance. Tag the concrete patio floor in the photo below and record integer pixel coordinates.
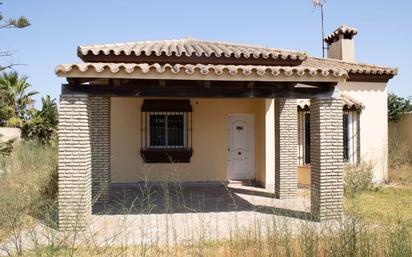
(180, 215)
(194, 213)
(201, 199)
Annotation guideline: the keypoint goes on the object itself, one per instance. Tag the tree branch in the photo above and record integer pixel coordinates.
(2, 68)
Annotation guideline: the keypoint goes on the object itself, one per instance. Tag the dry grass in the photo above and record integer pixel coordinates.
(27, 183)
(383, 205)
(401, 174)
(29, 191)
(400, 157)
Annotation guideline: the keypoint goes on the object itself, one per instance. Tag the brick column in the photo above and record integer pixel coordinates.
(100, 143)
(74, 165)
(286, 148)
(326, 132)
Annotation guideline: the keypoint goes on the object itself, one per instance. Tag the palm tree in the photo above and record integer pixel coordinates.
(49, 111)
(43, 123)
(15, 96)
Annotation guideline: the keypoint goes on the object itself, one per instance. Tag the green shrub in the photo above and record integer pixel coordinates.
(357, 178)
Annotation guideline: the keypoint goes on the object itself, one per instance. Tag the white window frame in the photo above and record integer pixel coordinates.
(302, 139)
(352, 137)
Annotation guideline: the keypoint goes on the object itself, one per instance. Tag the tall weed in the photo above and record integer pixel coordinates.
(357, 178)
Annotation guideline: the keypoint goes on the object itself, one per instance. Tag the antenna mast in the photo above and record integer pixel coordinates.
(320, 4)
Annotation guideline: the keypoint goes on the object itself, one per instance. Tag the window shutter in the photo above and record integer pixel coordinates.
(166, 105)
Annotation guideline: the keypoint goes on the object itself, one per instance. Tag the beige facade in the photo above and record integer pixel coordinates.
(210, 138)
(373, 129)
(373, 124)
(210, 141)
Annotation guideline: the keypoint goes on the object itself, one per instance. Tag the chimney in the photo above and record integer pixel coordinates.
(341, 44)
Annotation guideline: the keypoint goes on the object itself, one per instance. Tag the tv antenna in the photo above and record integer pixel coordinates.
(319, 4)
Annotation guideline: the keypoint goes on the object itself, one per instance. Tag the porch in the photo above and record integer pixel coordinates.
(93, 149)
(206, 213)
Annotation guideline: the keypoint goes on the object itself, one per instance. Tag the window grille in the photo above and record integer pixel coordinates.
(166, 131)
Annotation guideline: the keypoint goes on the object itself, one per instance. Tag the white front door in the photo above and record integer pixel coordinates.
(241, 161)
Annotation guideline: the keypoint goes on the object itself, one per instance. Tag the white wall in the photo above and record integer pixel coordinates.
(373, 123)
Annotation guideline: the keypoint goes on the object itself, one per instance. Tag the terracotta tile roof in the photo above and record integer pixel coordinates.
(312, 66)
(189, 69)
(190, 47)
(357, 68)
(342, 30)
(348, 103)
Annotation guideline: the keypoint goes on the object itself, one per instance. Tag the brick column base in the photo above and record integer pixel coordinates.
(326, 132)
(100, 143)
(286, 148)
(74, 163)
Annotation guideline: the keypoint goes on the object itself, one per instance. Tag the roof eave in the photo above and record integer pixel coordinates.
(198, 75)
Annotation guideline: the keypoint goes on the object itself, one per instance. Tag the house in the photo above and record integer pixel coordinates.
(203, 112)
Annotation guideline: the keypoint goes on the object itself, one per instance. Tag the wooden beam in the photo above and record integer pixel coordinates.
(317, 85)
(250, 84)
(79, 80)
(191, 89)
(162, 83)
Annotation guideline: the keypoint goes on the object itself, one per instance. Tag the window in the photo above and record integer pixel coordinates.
(345, 136)
(307, 137)
(351, 137)
(166, 131)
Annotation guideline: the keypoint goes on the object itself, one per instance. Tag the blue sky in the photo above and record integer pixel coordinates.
(58, 27)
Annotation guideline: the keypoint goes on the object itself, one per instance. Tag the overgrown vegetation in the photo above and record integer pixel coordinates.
(400, 148)
(377, 223)
(357, 178)
(397, 107)
(17, 109)
(17, 101)
(6, 147)
(28, 188)
(43, 123)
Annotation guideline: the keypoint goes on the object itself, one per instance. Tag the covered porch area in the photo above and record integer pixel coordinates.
(87, 157)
